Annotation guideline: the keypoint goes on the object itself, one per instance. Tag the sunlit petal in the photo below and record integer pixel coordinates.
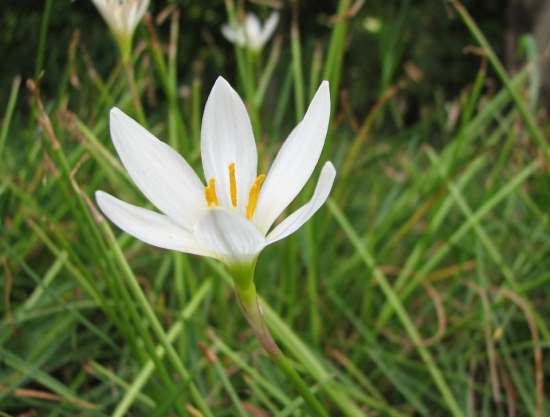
(150, 227)
(161, 173)
(302, 215)
(229, 33)
(295, 162)
(253, 27)
(269, 27)
(226, 138)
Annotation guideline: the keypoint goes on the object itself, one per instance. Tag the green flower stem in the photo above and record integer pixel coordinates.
(124, 41)
(253, 313)
(129, 68)
(249, 303)
(300, 351)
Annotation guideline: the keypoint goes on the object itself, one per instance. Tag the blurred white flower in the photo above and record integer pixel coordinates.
(122, 17)
(230, 218)
(250, 32)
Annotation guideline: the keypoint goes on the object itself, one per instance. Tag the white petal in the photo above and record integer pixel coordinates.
(149, 227)
(269, 27)
(159, 171)
(226, 138)
(228, 33)
(107, 14)
(253, 26)
(295, 162)
(228, 234)
(143, 5)
(302, 215)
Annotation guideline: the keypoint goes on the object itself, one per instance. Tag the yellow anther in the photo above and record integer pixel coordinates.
(253, 196)
(232, 184)
(210, 193)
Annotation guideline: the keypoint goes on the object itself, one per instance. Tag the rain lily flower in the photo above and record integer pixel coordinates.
(230, 217)
(122, 17)
(250, 32)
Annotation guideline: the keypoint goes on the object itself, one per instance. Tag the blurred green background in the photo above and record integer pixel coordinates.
(425, 34)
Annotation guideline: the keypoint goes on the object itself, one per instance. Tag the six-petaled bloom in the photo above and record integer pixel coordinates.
(122, 17)
(228, 218)
(251, 33)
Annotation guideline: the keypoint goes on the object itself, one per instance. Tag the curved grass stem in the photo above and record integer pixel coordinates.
(277, 356)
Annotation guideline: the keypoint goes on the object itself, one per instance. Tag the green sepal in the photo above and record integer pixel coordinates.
(243, 273)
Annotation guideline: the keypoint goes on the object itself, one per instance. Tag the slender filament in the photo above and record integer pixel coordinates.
(233, 184)
(210, 193)
(253, 196)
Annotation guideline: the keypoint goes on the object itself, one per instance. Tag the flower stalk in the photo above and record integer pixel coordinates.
(136, 101)
(255, 317)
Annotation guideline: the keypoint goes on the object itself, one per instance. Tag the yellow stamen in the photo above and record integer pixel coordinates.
(233, 184)
(210, 193)
(253, 196)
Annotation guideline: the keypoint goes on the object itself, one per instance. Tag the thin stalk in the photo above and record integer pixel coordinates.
(335, 54)
(129, 68)
(470, 107)
(196, 88)
(268, 72)
(300, 351)
(40, 53)
(312, 288)
(173, 80)
(284, 365)
(220, 372)
(297, 65)
(43, 35)
(9, 112)
(255, 317)
(315, 71)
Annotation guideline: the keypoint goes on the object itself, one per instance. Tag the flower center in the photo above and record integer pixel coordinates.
(253, 195)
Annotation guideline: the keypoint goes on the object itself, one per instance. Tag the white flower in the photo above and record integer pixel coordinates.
(122, 17)
(250, 32)
(229, 218)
